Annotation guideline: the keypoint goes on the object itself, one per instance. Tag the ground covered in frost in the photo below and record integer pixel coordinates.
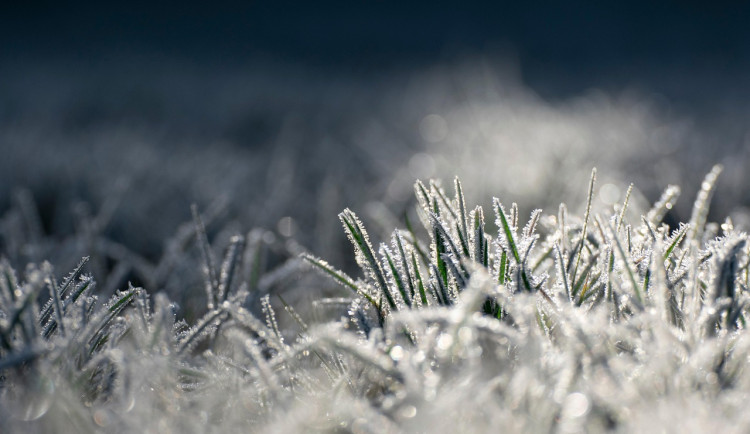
(424, 309)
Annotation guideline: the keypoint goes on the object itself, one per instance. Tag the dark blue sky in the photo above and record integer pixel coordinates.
(564, 33)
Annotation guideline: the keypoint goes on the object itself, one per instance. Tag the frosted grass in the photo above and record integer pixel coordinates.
(627, 326)
(593, 317)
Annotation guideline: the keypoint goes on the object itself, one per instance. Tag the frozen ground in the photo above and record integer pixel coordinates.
(104, 160)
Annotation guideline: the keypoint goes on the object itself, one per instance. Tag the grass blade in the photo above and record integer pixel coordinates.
(628, 268)
(462, 230)
(503, 223)
(664, 204)
(418, 277)
(209, 269)
(231, 259)
(701, 204)
(563, 274)
(340, 277)
(55, 297)
(365, 255)
(387, 256)
(676, 239)
(621, 216)
(585, 222)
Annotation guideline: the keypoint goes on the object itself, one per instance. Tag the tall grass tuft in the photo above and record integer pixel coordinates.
(555, 323)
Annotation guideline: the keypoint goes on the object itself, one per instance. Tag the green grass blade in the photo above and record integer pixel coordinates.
(459, 275)
(562, 227)
(438, 245)
(387, 256)
(415, 240)
(503, 223)
(463, 232)
(649, 229)
(444, 297)
(628, 268)
(479, 242)
(590, 198)
(621, 216)
(366, 257)
(340, 277)
(423, 196)
(438, 192)
(563, 273)
(404, 263)
(664, 204)
(578, 284)
(463, 242)
(502, 268)
(701, 205)
(419, 281)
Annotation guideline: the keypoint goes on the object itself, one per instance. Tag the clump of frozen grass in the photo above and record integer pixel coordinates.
(552, 323)
(563, 324)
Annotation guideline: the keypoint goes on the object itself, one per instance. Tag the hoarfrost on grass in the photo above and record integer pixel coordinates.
(597, 322)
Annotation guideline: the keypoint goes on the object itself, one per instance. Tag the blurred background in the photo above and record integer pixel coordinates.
(284, 113)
